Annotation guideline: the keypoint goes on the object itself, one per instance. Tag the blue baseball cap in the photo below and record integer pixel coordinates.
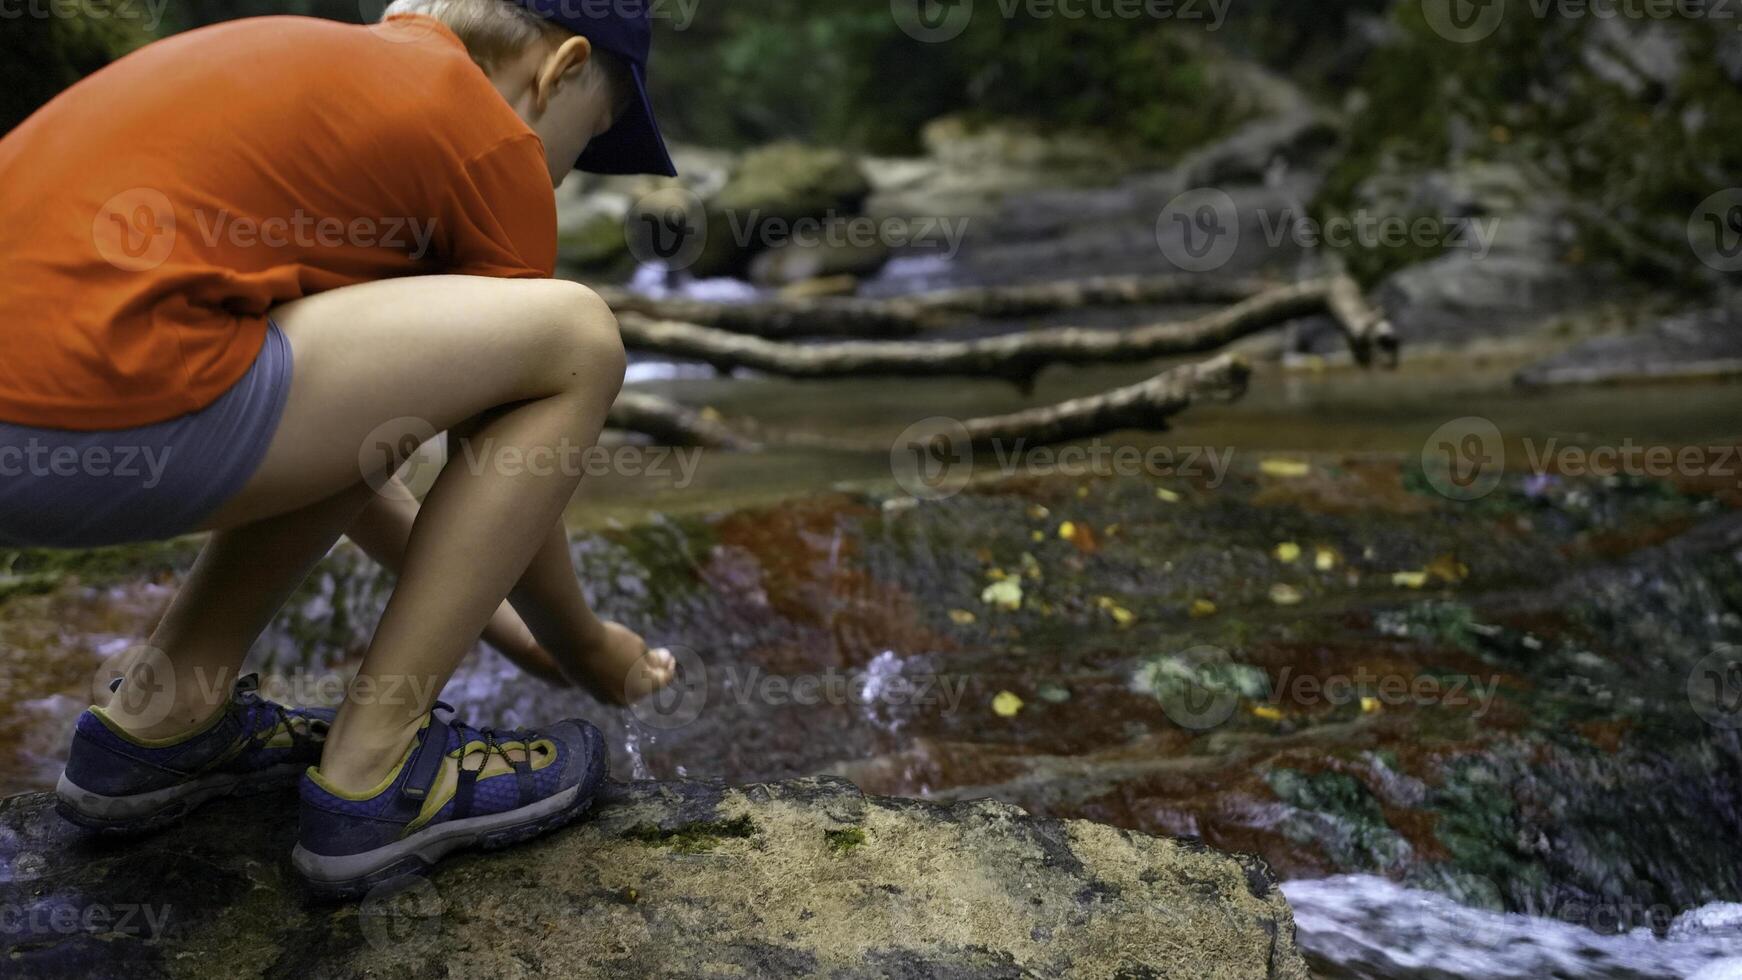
(623, 27)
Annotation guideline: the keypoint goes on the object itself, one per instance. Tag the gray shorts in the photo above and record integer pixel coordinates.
(65, 489)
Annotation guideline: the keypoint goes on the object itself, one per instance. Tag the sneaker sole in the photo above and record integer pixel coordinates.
(350, 875)
(143, 812)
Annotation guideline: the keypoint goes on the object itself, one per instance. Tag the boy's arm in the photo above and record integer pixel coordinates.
(382, 531)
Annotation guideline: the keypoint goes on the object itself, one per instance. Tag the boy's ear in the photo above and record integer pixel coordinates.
(568, 56)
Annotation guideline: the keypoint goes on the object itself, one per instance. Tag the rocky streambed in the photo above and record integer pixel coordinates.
(1524, 701)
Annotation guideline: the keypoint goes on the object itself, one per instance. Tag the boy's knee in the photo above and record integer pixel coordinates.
(584, 342)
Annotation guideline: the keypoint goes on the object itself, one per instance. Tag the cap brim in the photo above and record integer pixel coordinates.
(632, 145)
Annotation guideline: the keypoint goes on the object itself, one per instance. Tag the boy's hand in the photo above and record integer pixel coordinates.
(616, 665)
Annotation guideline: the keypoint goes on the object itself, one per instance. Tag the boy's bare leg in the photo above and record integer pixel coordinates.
(382, 529)
(386, 362)
(565, 643)
(242, 577)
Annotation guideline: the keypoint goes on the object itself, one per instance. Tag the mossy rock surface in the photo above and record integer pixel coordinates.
(978, 889)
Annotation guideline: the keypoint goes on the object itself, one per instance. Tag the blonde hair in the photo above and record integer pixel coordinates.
(493, 31)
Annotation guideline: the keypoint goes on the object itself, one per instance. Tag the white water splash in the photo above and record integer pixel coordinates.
(1368, 927)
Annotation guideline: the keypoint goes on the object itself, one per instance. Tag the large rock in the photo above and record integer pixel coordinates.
(797, 878)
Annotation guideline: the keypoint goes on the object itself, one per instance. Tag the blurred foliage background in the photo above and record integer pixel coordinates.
(1637, 122)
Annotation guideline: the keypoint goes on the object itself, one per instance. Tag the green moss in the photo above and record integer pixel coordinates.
(844, 840)
(1349, 823)
(692, 838)
(40, 569)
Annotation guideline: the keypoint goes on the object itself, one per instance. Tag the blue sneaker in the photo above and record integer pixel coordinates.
(348, 842)
(117, 783)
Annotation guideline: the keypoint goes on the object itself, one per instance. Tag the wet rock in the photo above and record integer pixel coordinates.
(791, 181)
(683, 879)
(1702, 344)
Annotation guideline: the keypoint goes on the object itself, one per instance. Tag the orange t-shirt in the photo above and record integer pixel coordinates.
(152, 214)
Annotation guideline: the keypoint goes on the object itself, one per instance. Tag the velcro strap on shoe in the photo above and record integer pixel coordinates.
(426, 760)
(527, 789)
(463, 792)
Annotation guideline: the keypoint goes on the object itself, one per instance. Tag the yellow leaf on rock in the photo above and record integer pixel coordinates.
(1121, 615)
(1006, 704)
(1266, 712)
(1284, 595)
(1067, 530)
(1287, 469)
(1369, 705)
(1409, 580)
(1166, 496)
(1288, 552)
(1202, 608)
(1036, 536)
(1005, 594)
(1038, 512)
(1324, 559)
(962, 617)
(1447, 568)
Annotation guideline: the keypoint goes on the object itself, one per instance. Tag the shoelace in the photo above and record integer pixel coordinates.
(257, 710)
(493, 739)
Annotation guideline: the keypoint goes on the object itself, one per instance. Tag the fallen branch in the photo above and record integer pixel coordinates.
(674, 424)
(1016, 357)
(1146, 405)
(905, 316)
